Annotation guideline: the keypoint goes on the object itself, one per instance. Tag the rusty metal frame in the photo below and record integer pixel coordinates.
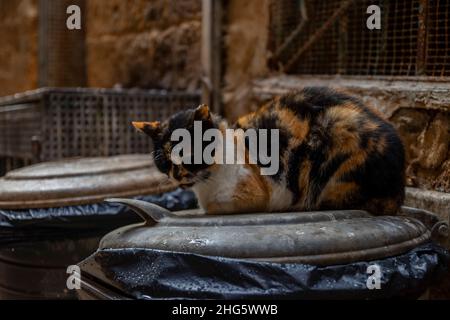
(212, 44)
(422, 38)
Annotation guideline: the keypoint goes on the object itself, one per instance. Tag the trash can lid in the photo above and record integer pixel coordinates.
(319, 238)
(81, 181)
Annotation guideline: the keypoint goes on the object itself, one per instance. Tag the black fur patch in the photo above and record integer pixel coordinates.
(321, 173)
(161, 161)
(296, 158)
(311, 101)
(382, 174)
(271, 122)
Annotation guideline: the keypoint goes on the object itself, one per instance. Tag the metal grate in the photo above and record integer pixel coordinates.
(389, 51)
(294, 25)
(331, 37)
(438, 38)
(51, 124)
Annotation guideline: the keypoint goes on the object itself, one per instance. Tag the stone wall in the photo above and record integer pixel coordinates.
(139, 43)
(246, 38)
(144, 43)
(18, 48)
(426, 135)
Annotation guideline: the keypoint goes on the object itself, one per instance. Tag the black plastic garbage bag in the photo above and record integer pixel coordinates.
(83, 220)
(154, 274)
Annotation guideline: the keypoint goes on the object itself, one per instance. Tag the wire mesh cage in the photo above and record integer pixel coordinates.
(331, 37)
(51, 124)
(438, 38)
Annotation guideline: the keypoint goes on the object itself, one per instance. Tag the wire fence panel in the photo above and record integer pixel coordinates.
(331, 37)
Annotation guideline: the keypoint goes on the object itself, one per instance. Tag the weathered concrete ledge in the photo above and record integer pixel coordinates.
(385, 95)
(436, 202)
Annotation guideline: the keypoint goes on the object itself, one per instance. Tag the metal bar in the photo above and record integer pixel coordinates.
(212, 36)
(342, 45)
(422, 38)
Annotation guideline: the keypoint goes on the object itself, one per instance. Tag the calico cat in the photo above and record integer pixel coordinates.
(335, 153)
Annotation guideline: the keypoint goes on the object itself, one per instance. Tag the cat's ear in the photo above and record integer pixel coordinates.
(202, 113)
(152, 129)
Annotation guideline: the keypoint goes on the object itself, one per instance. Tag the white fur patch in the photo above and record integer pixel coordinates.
(221, 185)
(281, 198)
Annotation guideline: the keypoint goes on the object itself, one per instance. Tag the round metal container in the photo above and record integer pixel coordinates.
(319, 238)
(37, 269)
(81, 181)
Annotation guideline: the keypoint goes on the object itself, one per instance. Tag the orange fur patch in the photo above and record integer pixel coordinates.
(303, 181)
(142, 125)
(344, 132)
(244, 121)
(253, 193)
(337, 192)
(203, 111)
(352, 163)
(299, 128)
(381, 145)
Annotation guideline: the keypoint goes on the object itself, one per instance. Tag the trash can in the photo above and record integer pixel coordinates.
(52, 216)
(312, 255)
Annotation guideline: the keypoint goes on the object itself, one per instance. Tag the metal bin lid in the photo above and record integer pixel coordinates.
(81, 181)
(319, 238)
